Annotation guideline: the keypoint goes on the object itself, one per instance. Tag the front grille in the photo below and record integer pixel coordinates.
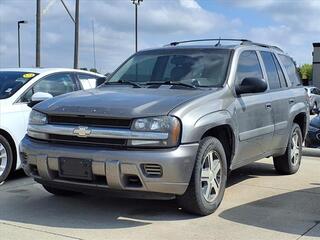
(152, 170)
(90, 121)
(74, 140)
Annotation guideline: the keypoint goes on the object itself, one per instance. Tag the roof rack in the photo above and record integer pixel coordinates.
(263, 45)
(242, 42)
(208, 40)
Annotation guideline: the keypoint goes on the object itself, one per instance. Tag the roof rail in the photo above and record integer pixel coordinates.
(208, 40)
(242, 42)
(263, 45)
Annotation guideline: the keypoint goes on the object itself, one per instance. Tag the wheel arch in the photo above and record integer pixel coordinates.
(225, 134)
(301, 120)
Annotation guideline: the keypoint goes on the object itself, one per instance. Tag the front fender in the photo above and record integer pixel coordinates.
(193, 132)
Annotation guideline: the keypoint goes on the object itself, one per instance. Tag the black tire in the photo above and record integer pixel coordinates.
(193, 200)
(58, 191)
(9, 158)
(285, 164)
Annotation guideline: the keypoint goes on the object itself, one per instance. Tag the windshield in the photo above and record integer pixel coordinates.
(198, 67)
(10, 82)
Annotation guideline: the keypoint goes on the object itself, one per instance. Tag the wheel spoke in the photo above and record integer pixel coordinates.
(208, 190)
(216, 168)
(215, 185)
(205, 173)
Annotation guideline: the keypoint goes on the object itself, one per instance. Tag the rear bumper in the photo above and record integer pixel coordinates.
(113, 168)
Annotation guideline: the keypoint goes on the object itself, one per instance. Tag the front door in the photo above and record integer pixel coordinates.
(254, 113)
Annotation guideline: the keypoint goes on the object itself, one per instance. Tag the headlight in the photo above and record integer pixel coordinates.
(37, 118)
(163, 124)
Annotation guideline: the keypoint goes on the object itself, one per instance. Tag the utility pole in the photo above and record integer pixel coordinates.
(136, 4)
(76, 37)
(93, 46)
(19, 22)
(38, 32)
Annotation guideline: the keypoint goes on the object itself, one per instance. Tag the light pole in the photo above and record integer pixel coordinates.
(136, 3)
(19, 22)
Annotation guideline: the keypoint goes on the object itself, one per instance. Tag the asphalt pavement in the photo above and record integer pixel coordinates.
(258, 204)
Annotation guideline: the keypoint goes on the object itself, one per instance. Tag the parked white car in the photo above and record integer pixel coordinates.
(17, 88)
(314, 97)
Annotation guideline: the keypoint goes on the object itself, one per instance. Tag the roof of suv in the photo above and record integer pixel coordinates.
(217, 44)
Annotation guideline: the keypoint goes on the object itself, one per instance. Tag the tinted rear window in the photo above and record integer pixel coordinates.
(291, 70)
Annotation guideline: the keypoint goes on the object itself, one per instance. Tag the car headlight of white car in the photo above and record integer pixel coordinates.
(163, 124)
(37, 118)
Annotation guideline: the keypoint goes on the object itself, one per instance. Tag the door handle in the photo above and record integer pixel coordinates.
(268, 106)
(291, 100)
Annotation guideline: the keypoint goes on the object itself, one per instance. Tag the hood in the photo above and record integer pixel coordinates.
(119, 102)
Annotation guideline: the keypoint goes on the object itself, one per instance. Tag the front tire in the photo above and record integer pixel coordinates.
(208, 181)
(6, 159)
(289, 163)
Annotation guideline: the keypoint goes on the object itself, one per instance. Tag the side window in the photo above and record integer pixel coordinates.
(272, 73)
(87, 81)
(291, 70)
(55, 84)
(280, 73)
(248, 66)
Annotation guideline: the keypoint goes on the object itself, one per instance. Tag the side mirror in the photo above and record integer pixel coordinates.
(251, 85)
(39, 97)
(100, 81)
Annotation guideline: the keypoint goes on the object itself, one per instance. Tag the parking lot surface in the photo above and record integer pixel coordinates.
(258, 204)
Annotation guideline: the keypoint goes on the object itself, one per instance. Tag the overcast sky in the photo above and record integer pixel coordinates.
(291, 24)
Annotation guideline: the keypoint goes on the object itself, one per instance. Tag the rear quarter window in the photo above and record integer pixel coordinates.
(291, 70)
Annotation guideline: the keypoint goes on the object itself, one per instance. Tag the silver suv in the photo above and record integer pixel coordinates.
(172, 122)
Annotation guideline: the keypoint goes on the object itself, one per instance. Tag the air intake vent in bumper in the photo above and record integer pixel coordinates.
(152, 170)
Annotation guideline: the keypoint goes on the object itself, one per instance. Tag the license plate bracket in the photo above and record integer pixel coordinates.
(75, 168)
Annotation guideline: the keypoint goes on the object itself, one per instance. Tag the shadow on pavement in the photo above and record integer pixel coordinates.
(291, 212)
(253, 170)
(32, 205)
(35, 206)
(16, 175)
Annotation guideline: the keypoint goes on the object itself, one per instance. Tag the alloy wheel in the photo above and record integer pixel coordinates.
(295, 148)
(3, 159)
(211, 176)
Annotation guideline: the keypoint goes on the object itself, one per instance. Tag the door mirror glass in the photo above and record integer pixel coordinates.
(251, 85)
(39, 97)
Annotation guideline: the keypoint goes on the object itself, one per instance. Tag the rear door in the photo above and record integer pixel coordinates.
(254, 112)
(280, 96)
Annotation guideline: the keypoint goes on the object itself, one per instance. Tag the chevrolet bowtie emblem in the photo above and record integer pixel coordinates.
(82, 131)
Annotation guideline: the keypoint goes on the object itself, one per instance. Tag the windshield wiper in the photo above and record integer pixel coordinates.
(171, 83)
(125, 82)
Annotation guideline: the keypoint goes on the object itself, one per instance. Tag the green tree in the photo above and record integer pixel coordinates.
(306, 71)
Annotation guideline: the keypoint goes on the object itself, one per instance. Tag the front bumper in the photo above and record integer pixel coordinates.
(115, 168)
